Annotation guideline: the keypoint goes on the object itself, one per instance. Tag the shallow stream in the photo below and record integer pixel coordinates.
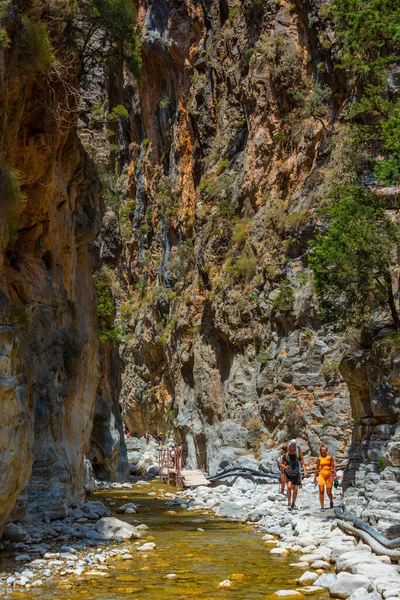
(199, 559)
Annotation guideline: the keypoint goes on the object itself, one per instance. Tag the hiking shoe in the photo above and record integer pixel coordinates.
(322, 508)
(294, 507)
(289, 507)
(331, 504)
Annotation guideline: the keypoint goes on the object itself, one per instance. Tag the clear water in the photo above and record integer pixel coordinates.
(225, 550)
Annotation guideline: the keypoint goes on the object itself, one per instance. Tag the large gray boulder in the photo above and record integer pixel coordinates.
(15, 533)
(347, 583)
(363, 594)
(94, 509)
(111, 528)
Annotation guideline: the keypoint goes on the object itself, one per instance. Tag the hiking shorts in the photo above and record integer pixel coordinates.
(293, 477)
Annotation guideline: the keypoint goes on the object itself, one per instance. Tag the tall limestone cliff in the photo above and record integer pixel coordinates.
(54, 375)
(226, 163)
(236, 134)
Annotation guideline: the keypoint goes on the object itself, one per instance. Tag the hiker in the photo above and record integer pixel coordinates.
(325, 467)
(172, 454)
(284, 449)
(147, 437)
(291, 463)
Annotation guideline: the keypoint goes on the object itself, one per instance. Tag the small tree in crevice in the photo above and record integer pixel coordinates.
(351, 262)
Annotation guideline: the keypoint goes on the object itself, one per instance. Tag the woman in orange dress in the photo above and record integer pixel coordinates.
(326, 469)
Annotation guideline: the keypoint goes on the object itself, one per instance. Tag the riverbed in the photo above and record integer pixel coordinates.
(195, 551)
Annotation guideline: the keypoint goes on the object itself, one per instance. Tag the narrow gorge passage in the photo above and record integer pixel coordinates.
(194, 552)
(199, 250)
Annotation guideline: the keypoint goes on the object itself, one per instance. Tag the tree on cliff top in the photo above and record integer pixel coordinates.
(351, 262)
(106, 33)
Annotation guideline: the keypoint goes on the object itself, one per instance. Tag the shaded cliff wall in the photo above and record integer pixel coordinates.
(50, 214)
(372, 480)
(226, 169)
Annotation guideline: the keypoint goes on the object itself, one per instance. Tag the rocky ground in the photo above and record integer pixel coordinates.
(332, 560)
(89, 541)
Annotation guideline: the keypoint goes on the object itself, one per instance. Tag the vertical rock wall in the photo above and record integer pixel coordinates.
(372, 480)
(225, 349)
(51, 371)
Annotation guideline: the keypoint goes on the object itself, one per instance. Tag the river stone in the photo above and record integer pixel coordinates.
(279, 552)
(129, 506)
(363, 594)
(111, 528)
(94, 535)
(288, 594)
(15, 533)
(348, 560)
(225, 584)
(383, 584)
(300, 565)
(94, 509)
(373, 571)
(320, 564)
(171, 576)
(326, 580)
(347, 583)
(146, 547)
(307, 578)
(22, 557)
(310, 590)
(68, 549)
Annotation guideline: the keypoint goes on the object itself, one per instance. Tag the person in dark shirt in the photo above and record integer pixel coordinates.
(291, 463)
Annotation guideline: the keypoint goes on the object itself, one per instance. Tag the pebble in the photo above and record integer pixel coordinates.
(171, 576)
(225, 584)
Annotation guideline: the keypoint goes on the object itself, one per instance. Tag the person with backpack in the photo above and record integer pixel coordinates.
(284, 449)
(291, 463)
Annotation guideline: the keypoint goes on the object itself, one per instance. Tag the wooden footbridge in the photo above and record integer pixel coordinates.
(170, 465)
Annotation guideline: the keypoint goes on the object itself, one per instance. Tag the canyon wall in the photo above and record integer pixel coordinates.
(54, 374)
(226, 167)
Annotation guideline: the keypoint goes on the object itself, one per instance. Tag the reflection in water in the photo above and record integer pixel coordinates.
(196, 560)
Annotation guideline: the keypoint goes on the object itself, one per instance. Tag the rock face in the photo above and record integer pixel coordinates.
(226, 350)
(372, 481)
(50, 372)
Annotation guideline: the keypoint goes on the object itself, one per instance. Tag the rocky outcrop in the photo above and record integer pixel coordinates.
(225, 172)
(372, 480)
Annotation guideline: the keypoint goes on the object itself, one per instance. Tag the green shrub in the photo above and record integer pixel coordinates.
(118, 114)
(233, 12)
(10, 190)
(4, 39)
(106, 34)
(111, 334)
(35, 51)
(146, 142)
(240, 231)
(381, 463)
(263, 355)
(331, 367)
(165, 102)
(244, 267)
(284, 301)
(222, 166)
(194, 330)
(351, 262)
(284, 63)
